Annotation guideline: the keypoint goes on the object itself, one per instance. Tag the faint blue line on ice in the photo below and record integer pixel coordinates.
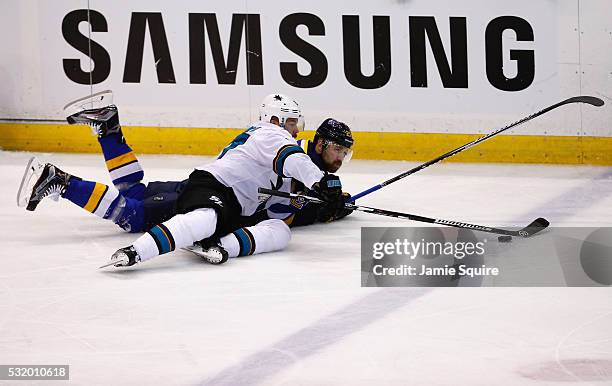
(310, 340)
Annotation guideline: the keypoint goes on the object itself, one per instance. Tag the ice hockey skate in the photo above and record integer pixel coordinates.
(211, 251)
(97, 111)
(124, 257)
(40, 181)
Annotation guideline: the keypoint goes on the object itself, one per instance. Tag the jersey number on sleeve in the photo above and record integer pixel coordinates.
(239, 140)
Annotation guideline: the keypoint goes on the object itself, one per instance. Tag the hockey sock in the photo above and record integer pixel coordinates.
(239, 243)
(266, 236)
(94, 197)
(122, 164)
(178, 232)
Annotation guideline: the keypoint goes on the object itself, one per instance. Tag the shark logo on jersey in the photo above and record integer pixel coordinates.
(216, 200)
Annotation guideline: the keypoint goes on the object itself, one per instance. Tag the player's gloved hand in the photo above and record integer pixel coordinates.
(328, 213)
(344, 211)
(329, 189)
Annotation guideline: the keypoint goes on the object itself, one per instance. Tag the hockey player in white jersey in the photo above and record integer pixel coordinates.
(268, 229)
(217, 194)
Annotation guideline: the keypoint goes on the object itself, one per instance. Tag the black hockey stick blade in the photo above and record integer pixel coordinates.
(538, 225)
(586, 99)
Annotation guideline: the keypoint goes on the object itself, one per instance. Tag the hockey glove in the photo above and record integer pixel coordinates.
(329, 189)
(327, 213)
(344, 211)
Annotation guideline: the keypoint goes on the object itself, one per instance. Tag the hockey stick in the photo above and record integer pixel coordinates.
(578, 99)
(534, 227)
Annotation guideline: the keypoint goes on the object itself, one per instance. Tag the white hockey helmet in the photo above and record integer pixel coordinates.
(282, 107)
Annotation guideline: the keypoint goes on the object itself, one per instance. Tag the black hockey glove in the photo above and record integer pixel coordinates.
(326, 213)
(329, 189)
(344, 211)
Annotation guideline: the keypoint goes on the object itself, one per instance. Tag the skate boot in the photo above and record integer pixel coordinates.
(124, 257)
(103, 121)
(51, 182)
(210, 250)
(97, 111)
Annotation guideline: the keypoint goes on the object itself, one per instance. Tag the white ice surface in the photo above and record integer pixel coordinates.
(300, 316)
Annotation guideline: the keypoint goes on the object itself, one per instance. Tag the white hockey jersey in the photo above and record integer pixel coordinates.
(256, 158)
(283, 208)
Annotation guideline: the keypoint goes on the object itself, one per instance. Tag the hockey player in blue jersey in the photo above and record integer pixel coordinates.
(137, 207)
(128, 203)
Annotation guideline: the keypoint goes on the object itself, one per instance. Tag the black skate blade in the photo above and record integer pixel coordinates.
(536, 226)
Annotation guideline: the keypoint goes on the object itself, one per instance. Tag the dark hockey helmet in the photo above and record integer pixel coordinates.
(336, 132)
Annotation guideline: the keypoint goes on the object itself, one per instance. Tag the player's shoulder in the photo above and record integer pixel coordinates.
(271, 132)
(261, 125)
